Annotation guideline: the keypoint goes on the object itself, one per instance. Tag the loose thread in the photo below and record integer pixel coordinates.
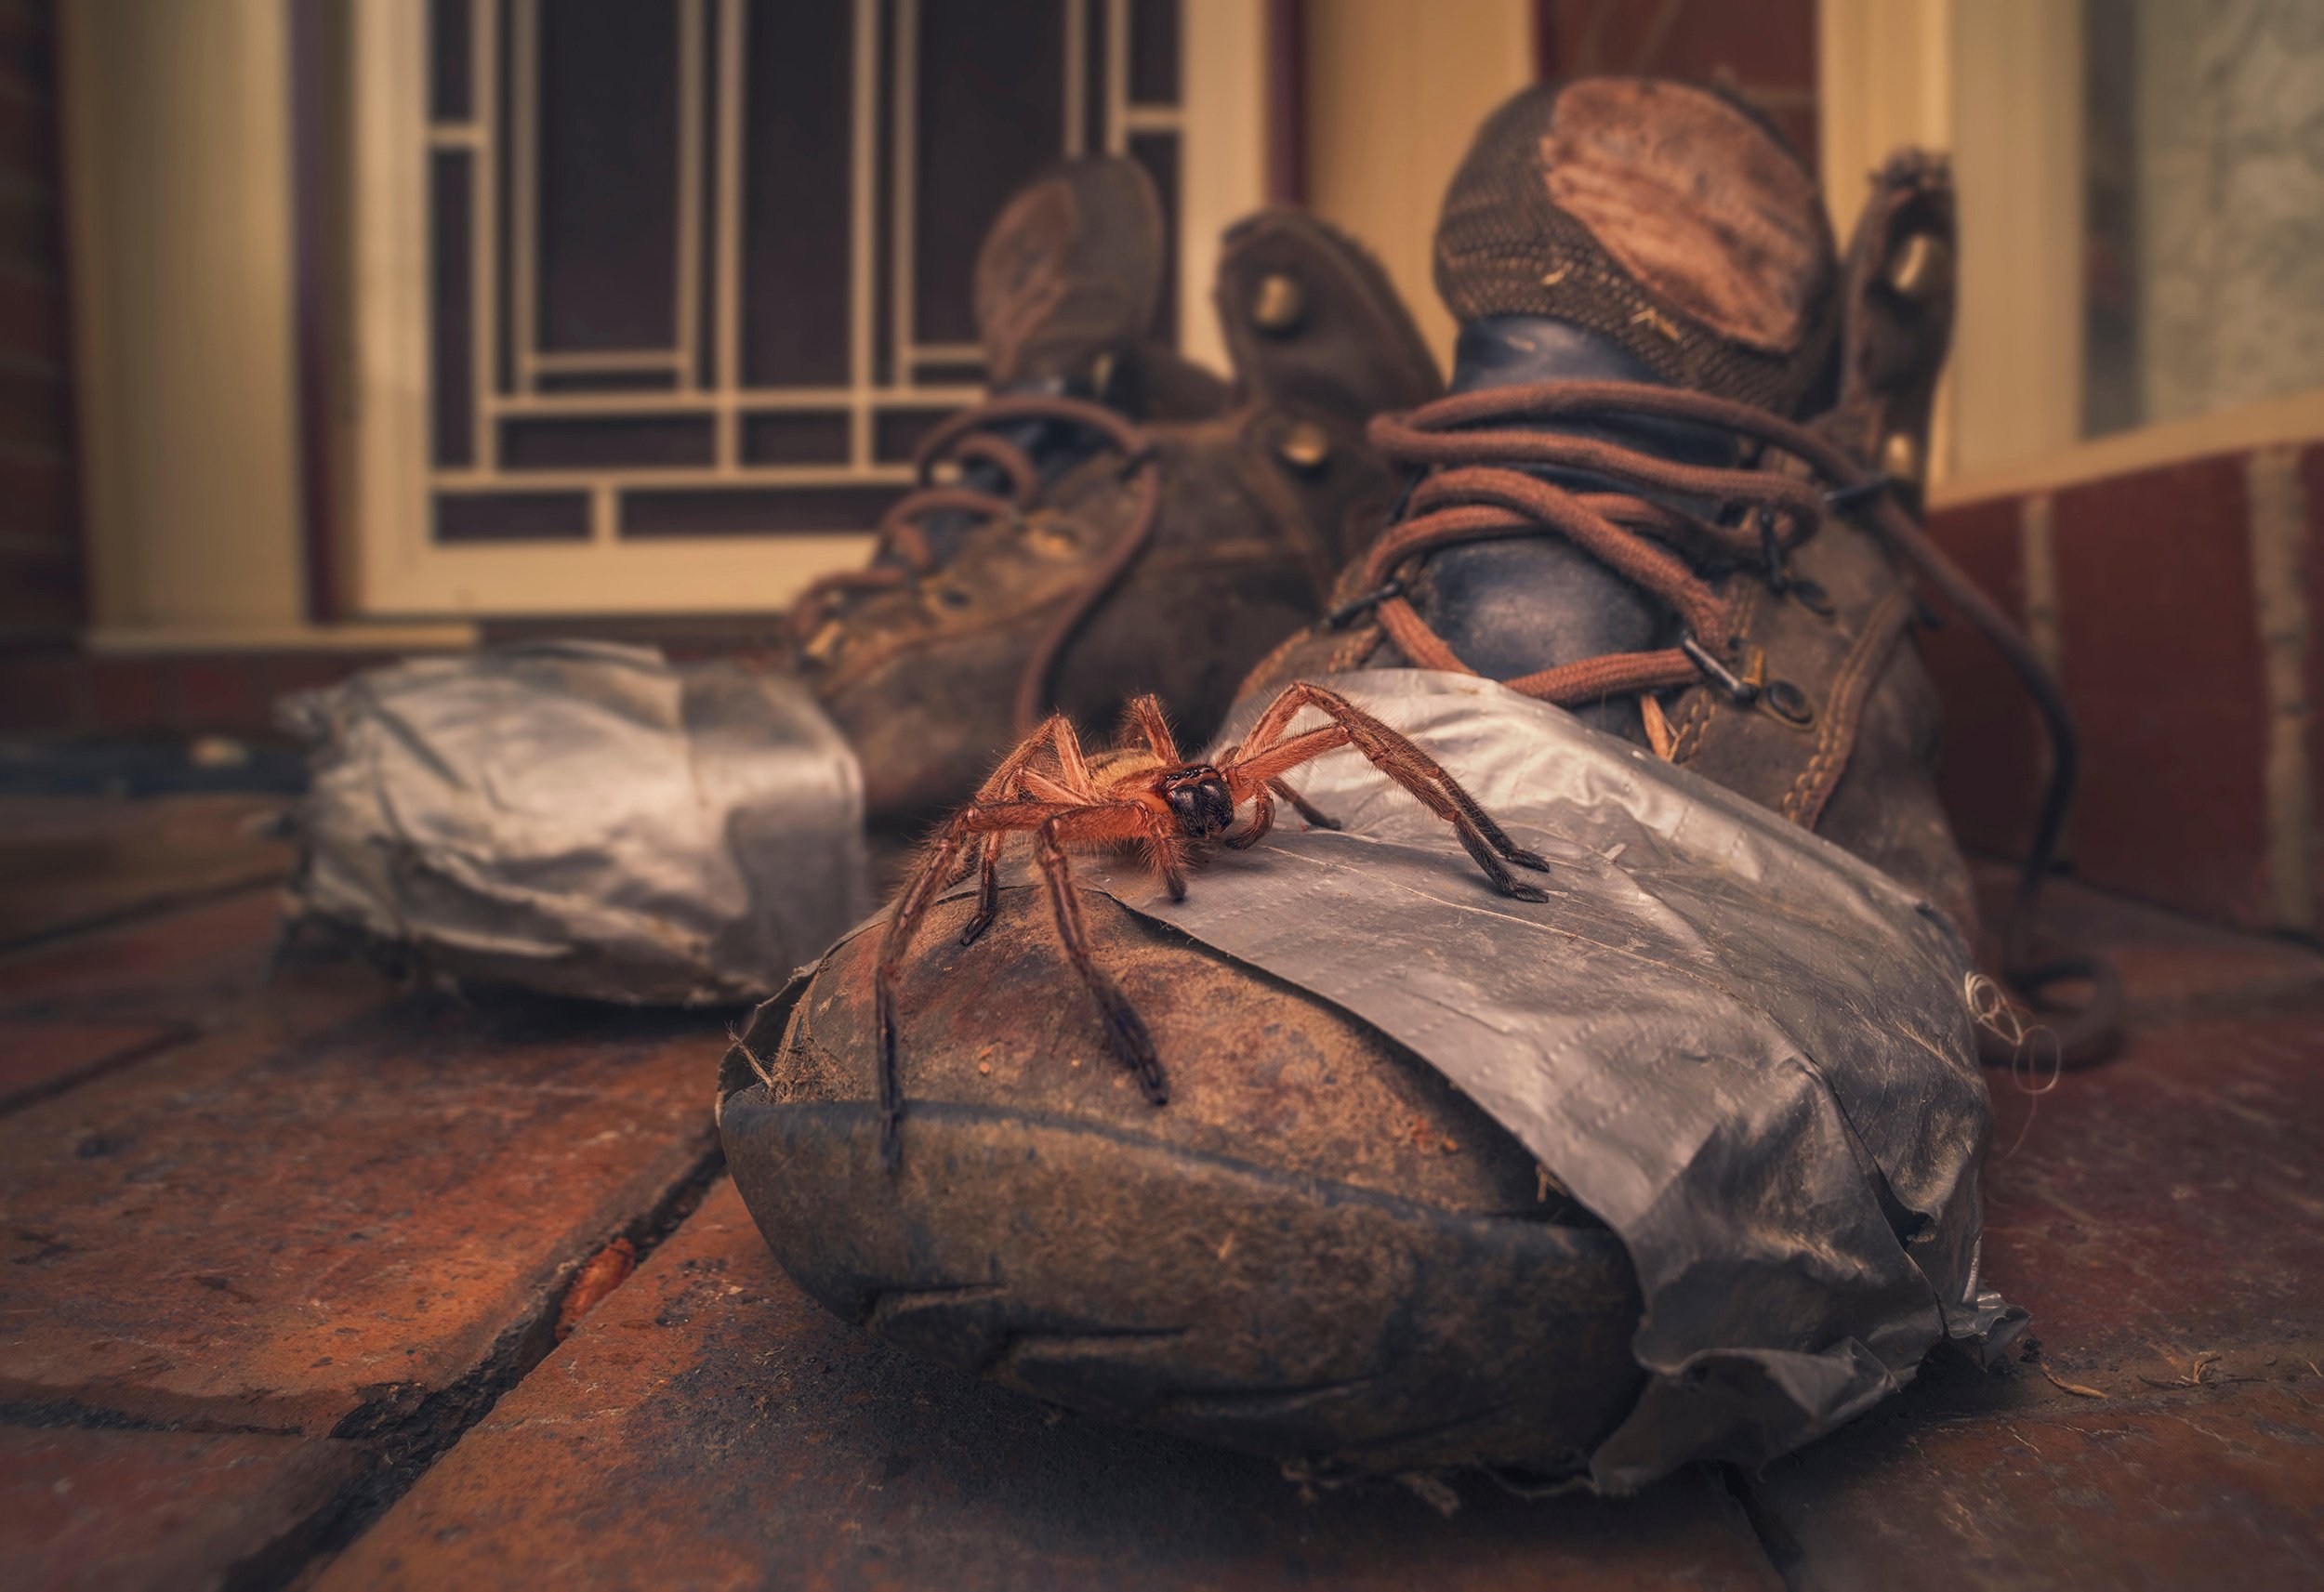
(751, 1056)
(1990, 1009)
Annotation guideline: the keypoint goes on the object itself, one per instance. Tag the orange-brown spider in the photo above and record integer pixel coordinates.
(1145, 795)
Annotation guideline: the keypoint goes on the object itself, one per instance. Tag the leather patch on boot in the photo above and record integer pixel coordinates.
(1695, 200)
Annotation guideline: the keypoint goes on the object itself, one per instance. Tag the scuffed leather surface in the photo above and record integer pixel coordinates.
(1697, 201)
(1874, 727)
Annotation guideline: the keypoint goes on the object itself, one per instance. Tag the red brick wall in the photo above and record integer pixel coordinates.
(2163, 653)
(41, 594)
(1762, 49)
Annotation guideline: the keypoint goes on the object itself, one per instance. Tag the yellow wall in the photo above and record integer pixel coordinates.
(177, 137)
(1395, 91)
(178, 195)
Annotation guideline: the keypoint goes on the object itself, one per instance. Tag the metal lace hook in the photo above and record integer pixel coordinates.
(1741, 689)
(1350, 612)
(1771, 550)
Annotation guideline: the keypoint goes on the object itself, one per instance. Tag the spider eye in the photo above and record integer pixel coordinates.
(1204, 806)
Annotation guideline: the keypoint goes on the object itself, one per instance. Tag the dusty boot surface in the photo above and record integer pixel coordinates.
(1318, 1249)
(1114, 520)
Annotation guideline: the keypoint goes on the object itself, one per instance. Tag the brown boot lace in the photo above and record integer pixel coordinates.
(1477, 447)
(903, 556)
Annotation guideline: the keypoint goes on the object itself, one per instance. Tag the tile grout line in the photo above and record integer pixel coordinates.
(44, 940)
(168, 1036)
(404, 1447)
(2276, 523)
(1786, 1558)
(2038, 554)
(2037, 568)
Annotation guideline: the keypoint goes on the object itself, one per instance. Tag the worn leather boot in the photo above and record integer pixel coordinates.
(1114, 520)
(1319, 1249)
(1749, 629)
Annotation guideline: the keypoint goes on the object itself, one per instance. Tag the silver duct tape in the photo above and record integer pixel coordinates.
(582, 818)
(1746, 1050)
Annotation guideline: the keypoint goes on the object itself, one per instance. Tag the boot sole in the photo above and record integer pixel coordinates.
(1281, 1314)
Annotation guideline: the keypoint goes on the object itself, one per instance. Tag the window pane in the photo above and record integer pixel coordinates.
(2204, 166)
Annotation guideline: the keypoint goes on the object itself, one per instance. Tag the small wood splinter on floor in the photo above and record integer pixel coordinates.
(606, 1270)
(2196, 1372)
(2074, 1388)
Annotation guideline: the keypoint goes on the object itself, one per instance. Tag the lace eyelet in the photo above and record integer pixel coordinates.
(1279, 305)
(1305, 447)
(1787, 704)
(824, 645)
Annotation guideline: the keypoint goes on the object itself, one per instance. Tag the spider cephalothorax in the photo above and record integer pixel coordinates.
(1144, 796)
(1200, 801)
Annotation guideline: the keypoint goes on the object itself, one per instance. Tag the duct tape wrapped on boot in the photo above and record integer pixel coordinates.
(581, 819)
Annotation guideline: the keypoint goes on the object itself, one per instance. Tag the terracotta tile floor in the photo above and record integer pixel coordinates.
(286, 1258)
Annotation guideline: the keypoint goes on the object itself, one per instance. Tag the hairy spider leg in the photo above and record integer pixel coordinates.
(1143, 719)
(1262, 807)
(1166, 853)
(1264, 756)
(1125, 1031)
(1307, 811)
(970, 822)
(1375, 738)
(1014, 779)
(1262, 819)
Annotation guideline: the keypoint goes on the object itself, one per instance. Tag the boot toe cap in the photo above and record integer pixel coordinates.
(1317, 1250)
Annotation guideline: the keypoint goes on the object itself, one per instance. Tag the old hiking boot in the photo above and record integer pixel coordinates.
(1318, 1249)
(1113, 520)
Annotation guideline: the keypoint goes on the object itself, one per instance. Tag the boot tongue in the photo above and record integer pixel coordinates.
(1514, 606)
(1069, 273)
(1065, 288)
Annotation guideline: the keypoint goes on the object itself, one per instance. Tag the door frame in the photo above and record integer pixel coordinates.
(394, 568)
